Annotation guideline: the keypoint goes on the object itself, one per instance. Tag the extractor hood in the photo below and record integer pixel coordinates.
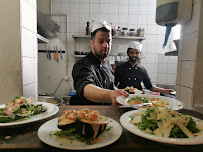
(46, 27)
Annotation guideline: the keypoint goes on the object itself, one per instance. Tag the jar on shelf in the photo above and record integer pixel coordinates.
(124, 31)
(132, 32)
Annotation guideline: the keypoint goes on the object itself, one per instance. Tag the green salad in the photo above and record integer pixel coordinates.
(167, 123)
(20, 108)
(144, 100)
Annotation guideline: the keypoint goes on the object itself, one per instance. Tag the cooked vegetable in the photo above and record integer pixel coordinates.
(166, 123)
(20, 108)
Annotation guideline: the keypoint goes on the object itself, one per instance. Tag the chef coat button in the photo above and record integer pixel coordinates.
(129, 78)
(100, 65)
(129, 68)
(135, 79)
(136, 68)
(109, 79)
(104, 81)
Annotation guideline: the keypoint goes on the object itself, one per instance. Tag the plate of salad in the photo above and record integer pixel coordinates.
(164, 125)
(156, 101)
(80, 130)
(23, 110)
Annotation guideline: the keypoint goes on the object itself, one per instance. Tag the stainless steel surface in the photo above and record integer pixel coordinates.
(46, 26)
(49, 99)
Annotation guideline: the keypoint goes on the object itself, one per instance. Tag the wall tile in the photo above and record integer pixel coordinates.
(141, 2)
(104, 8)
(189, 48)
(28, 70)
(27, 41)
(27, 15)
(113, 9)
(29, 90)
(133, 2)
(142, 19)
(94, 8)
(162, 68)
(84, 18)
(143, 9)
(65, 8)
(161, 78)
(133, 9)
(187, 73)
(172, 68)
(123, 9)
(56, 8)
(74, 7)
(171, 79)
(84, 8)
(186, 97)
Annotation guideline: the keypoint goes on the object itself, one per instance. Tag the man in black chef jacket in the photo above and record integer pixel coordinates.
(132, 73)
(93, 76)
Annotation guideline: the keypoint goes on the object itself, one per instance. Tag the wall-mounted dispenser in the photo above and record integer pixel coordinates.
(172, 12)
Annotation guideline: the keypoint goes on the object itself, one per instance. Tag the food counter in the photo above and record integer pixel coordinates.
(25, 137)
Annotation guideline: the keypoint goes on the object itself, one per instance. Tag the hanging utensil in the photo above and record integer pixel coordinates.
(49, 51)
(46, 51)
(54, 54)
(57, 56)
(61, 53)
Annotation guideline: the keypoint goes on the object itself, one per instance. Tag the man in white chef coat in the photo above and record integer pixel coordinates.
(131, 73)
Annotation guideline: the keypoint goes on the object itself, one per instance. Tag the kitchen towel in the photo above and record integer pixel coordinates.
(168, 31)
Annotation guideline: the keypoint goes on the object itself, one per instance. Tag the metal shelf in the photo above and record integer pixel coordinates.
(114, 37)
(42, 39)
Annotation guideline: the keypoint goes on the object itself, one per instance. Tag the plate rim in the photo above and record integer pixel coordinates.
(140, 133)
(182, 105)
(119, 131)
(16, 123)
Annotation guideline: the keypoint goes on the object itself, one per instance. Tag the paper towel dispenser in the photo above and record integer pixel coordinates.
(172, 12)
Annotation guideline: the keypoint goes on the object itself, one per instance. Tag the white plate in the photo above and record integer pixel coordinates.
(124, 120)
(51, 110)
(106, 137)
(172, 103)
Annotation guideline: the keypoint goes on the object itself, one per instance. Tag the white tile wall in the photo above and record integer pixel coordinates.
(185, 96)
(29, 48)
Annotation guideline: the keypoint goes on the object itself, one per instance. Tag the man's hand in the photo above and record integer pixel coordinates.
(168, 91)
(117, 93)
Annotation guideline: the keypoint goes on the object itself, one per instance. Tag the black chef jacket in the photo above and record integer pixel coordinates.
(126, 75)
(90, 70)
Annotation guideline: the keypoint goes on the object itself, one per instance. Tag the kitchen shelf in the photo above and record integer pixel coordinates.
(79, 56)
(114, 37)
(172, 53)
(42, 39)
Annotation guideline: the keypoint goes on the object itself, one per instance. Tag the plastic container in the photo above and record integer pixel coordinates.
(124, 31)
(132, 32)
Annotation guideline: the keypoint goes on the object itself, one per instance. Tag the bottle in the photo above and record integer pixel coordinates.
(119, 31)
(88, 29)
(111, 29)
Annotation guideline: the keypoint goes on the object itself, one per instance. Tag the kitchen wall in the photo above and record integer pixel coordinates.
(124, 13)
(18, 45)
(29, 47)
(189, 82)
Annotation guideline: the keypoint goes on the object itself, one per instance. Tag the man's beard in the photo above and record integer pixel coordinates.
(101, 55)
(133, 59)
